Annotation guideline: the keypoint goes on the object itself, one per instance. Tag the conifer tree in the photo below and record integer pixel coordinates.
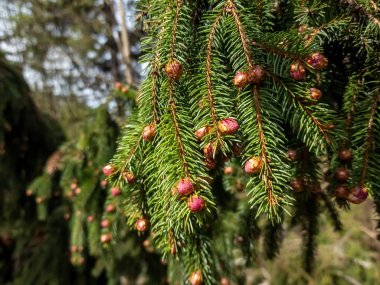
(275, 98)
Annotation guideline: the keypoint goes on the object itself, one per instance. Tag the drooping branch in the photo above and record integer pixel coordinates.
(181, 147)
(208, 75)
(369, 138)
(172, 104)
(266, 177)
(175, 26)
(321, 128)
(349, 119)
(267, 170)
(354, 4)
(243, 36)
(129, 157)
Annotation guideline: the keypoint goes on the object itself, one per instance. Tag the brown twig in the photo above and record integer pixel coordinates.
(315, 120)
(243, 36)
(181, 147)
(175, 26)
(208, 76)
(264, 155)
(266, 177)
(172, 104)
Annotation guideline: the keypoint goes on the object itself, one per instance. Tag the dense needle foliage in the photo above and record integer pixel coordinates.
(262, 66)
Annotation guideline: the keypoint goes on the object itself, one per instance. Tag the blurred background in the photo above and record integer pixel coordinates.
(69, 77)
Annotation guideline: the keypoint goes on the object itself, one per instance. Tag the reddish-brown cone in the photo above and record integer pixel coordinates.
(149, 132)
(115, 191)
(108, 170)
(210, 164)
(318, 61)
(185, 187)
(196, 278)
(342, 174)
(358, 195)
(241, 79)
(173, 70)
(202, 132)
(110, 208)
(297, 71)
(142, 224)
(73, 186)
(256, 74)
(90, 218)
(291, 154)
(342, 192)
(196, 203)
(228, 126)
(105, 223)
(105, 238)
(103, 184)
(77, 191)
(253, 165)
(228, 170)
(210, 150)
(224, 281)
(131, 179)
(345, 155)
(118, 85)
(296, 185)
(315, 94)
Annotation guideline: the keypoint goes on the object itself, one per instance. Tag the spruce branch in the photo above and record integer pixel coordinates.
(369, 137)
(267, 171)
(356, 6)
(242, 34)
(208, 76)
(182, 152)
(349, 105)
(174, 29)
(320, 128)
(284, 49)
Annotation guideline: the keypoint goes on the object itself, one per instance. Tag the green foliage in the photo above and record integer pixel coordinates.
(212, 43)
(195, 52)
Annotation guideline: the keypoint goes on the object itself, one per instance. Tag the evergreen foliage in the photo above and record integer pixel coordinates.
(259, 66)
(255, 118)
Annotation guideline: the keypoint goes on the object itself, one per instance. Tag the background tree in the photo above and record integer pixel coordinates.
(76, 48)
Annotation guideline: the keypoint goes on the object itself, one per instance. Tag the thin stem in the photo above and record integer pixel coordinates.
(208, 75)
(154, 75)
(310, 114)
(267, 170)
(154, 98)
(266, 177)
(175, 25)
(172, 105)
(243, 36)
(181, 147)
(130, 154)
(278, 51)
